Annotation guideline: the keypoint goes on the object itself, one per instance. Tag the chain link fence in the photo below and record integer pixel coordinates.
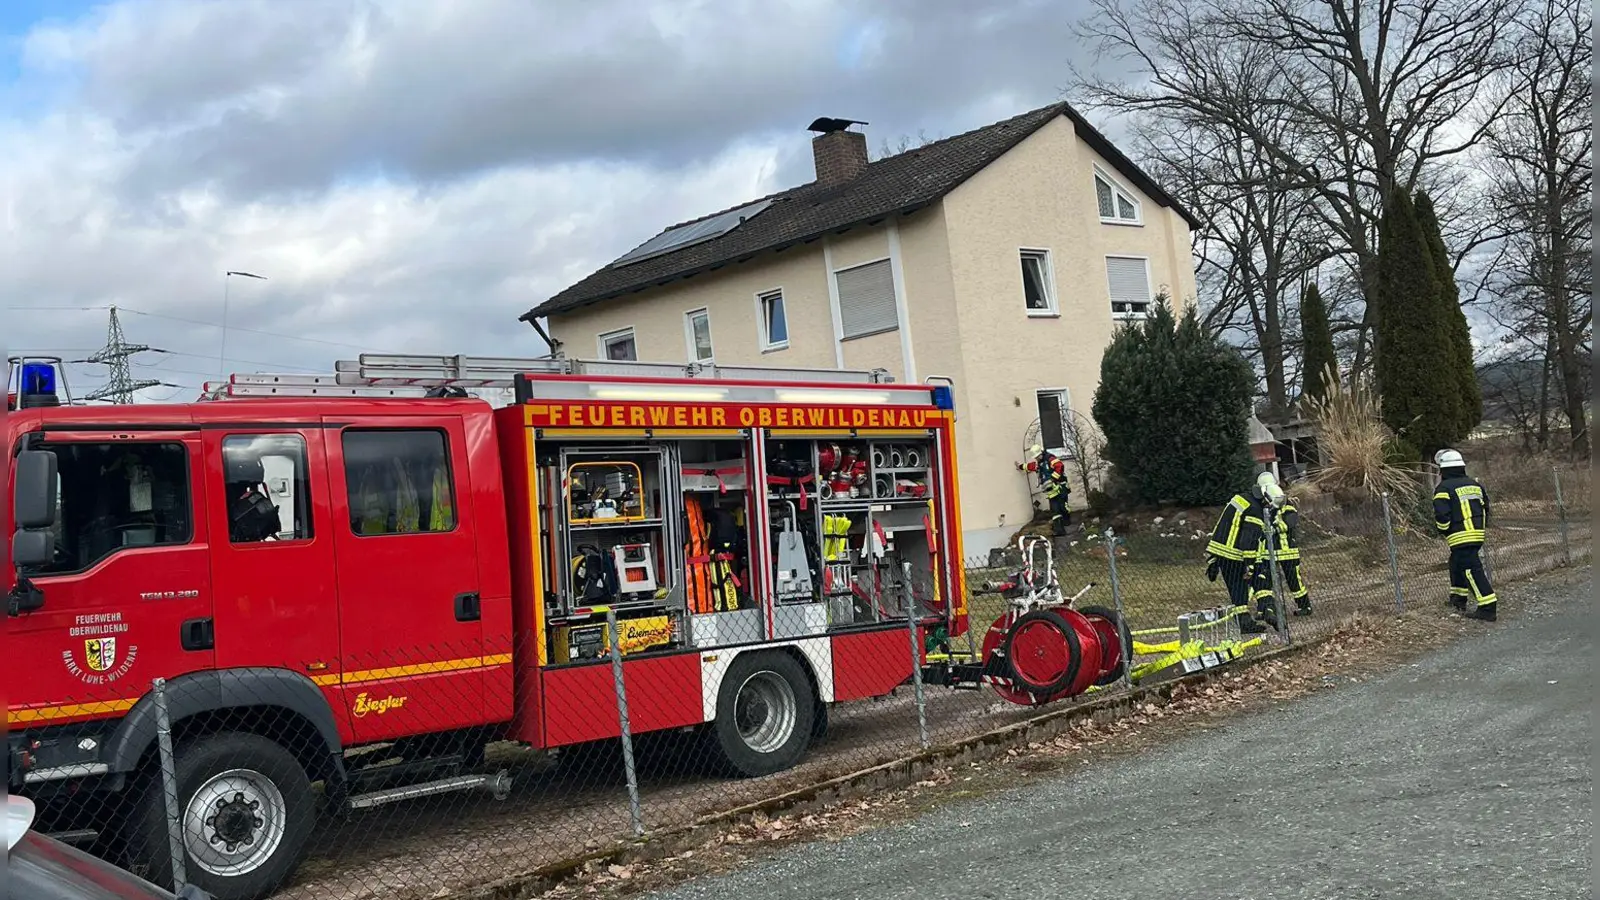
(252, 803)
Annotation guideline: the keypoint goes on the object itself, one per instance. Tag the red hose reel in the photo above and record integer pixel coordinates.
(1053, 653)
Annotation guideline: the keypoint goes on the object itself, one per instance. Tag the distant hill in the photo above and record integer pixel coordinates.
(1513, 384)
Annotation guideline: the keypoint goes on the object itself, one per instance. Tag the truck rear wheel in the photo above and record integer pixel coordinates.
(766, 713)
(245, 810)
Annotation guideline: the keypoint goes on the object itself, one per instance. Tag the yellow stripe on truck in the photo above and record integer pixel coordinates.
(69, 711)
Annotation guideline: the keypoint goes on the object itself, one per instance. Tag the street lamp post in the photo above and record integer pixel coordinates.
(222, 352)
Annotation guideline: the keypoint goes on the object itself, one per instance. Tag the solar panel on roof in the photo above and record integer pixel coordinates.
(692, 233)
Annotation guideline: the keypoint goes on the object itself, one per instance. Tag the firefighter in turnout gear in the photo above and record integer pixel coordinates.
(1234, 549)
(1461, 514)
(1281, 512)
(1053, 479)
(1288, 519)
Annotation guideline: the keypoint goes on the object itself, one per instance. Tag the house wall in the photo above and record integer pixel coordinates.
(962, 310)
(657, 316)
(1039, 196)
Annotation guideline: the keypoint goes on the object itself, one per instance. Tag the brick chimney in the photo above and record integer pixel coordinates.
(839, 154)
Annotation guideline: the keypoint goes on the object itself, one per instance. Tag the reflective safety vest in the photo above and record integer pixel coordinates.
(386, 502)
(1461, 511)
(1288, 537)
(1239, 530)
(441, 515)
(1053, 477)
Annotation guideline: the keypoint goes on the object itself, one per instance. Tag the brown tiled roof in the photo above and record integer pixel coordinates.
(895, 184)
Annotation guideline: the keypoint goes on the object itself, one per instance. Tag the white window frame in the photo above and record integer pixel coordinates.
(1066, 418)
(1117, 188)
(763, 339)
(1052, 308)
(688, 335)
(1148, 283)
(834, 277)
(606, 337)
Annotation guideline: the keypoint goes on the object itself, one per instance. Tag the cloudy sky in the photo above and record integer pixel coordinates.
(411, 175)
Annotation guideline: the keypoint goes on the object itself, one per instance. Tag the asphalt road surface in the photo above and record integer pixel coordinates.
(1465, 774)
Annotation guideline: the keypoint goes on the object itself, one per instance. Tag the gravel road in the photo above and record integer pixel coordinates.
(1465, 774)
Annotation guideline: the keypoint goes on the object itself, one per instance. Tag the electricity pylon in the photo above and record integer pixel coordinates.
(120, 384)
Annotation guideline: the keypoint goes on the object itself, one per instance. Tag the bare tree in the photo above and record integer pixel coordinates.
(1374, 89)
(1086, 446)
(903, 143)
(1261, 237)
(1539, 163)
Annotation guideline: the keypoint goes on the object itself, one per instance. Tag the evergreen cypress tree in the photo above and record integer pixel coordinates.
(1174, 407)
(1317, 359)
(1415, 365)
(1455, 320)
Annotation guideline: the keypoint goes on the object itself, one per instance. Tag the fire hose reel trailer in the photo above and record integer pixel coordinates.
(1041, 649)
(1052, 654)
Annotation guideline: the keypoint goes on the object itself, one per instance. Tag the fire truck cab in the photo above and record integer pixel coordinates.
(310, 568)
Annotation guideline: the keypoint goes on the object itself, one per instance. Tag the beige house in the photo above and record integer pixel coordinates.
(1002, 258)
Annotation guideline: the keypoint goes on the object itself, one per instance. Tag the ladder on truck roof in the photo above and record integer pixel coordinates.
(414, 375)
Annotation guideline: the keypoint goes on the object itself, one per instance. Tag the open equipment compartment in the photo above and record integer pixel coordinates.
(715, 490)
(610, 514)
(863, 509)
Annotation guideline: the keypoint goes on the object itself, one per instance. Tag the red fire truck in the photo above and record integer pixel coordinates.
(319, 565)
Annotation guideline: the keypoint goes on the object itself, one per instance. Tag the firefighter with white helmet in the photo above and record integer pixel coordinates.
(1053, 479)
(1461, 515)
(1280, 512)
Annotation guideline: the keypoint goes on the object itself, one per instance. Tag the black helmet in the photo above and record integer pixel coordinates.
(242, 465)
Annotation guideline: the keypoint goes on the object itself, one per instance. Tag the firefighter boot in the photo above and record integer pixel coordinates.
(1459, 602)
(1483, 612)
(1268, 615)
(1249, 625)
(1302, 606)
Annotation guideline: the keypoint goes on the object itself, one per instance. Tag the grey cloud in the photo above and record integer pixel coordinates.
(537, 142)
(407, 91)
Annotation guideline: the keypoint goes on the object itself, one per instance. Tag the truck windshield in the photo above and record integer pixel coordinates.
(114, 495)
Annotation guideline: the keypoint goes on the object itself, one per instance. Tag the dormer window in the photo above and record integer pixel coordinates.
(1117, 204)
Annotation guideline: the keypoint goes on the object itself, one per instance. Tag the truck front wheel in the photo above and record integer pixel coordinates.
(245, 810)
(765, 714)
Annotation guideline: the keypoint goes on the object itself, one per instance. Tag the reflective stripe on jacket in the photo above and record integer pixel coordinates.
(1239, 529)
(1461, 511)
(1288, 539)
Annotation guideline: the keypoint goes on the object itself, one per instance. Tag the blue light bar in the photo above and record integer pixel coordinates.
(944, 397)
(36, 379)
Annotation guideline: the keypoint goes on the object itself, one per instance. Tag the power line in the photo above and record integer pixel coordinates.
(140, 312)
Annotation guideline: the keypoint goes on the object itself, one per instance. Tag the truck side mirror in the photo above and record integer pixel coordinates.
(32, 548)
(33, 503)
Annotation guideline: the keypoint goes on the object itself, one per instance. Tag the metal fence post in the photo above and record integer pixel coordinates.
(916, 656)
(614, 641)
(1116, 601)
(1272, 573)
(1394, 556)
(1561, 511)
(169, 785)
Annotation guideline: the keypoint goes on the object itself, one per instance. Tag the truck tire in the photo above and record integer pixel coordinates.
(230, 785)
(766, 713)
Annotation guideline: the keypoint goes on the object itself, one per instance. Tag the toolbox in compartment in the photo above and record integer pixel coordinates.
(590, 640)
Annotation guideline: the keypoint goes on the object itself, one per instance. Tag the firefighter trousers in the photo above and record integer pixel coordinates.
(1469, 582)
(1261, 591)
(1236, 576)
(1294, 583)
(1060, 516)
